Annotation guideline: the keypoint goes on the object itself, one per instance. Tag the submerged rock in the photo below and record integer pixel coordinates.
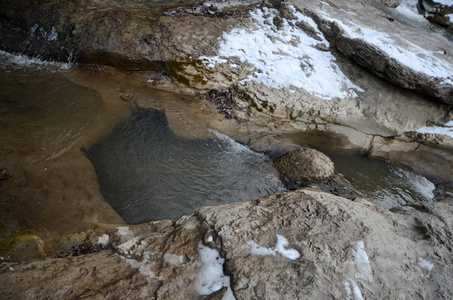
(304, 165)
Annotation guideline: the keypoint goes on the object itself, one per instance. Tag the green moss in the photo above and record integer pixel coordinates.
(18, 239)
(272, 108)
(177, 70)
(260, 106)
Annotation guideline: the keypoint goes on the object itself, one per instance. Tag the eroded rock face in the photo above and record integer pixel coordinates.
(305, 165)
(283, 246)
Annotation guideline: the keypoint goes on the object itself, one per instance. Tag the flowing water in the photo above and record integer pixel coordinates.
(146, 172)
(42, 112)
(381, 182)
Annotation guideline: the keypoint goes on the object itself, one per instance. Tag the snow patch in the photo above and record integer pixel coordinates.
(360, 268)
(425, 265)
(229, 3)
(103, 240)
(127, 246)
(125, 232)
(285, 56)
(446, 129)
(173, 259)
(444, 2)
(450, 17)
(210, 277)
(280, 248)
(411, 56)
(143, 266)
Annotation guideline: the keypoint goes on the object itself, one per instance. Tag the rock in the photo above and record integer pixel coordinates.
(335, 238)
(422, 74)
(304, 165)
(283, 246)
(438, 11)
(391, 3)
(4, 174)
(127, 95)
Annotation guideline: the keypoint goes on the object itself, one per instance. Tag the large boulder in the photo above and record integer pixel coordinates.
(304, 165)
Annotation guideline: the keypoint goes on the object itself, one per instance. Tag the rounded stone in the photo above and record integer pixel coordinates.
(305, 164)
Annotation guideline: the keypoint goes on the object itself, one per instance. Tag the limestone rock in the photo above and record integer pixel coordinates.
(283, 246)
(305, 164)
(342, 244)
(391, 3)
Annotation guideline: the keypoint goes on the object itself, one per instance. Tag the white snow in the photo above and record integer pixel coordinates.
(210, 277)
(280, 248)
(210, 239)
(103, 239)
(228, 3)
(360, 268)
(285, 57)
(444, 2)
(124, 231)
(426, 265)
(450, 17)
(411, 55)
(24, 61)
(127, 246)
(173, 259)
(143, 266)
(446, 129)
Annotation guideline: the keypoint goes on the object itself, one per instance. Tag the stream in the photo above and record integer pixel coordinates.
(148, 172)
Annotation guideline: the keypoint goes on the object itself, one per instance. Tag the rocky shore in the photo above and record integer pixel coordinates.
(376, 75)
